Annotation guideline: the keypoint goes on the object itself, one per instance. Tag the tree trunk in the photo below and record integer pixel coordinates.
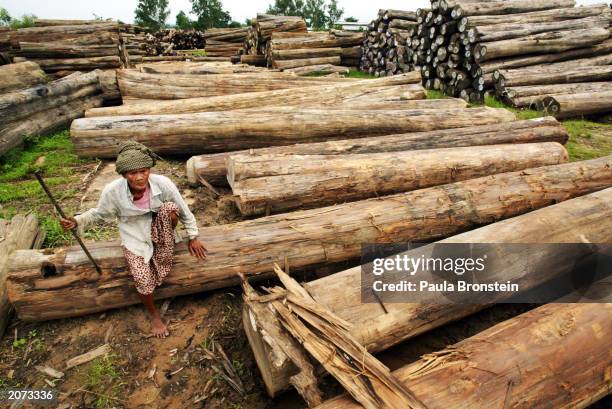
(20, 75)
(508, 31)
(266, 184)
(545, 43)
(297, 54)
(319, 69)
(213, 167)
(74, 64)
(17, 105)
(22, 232)
(568, 337)
(577, 105)
(45, 122)
(57, 33)
(588, 218)
(526, 76)
(485, 8)
(134, 84)
(44, 285)
(64, 51)
(532, 95)
(209, 132)
(404, 87)
(306, 61)
(109, 86)
(556, 14)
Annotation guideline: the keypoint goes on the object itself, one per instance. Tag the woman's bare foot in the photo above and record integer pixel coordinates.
(158, 328)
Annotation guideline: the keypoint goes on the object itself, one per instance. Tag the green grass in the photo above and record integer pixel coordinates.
(104, 379)
(493, 102)
(435, 94)
(359, 74)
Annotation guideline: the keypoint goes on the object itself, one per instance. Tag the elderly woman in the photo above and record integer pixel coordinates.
(148, 207)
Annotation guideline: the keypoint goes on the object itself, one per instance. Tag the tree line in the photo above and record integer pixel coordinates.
(318, 14)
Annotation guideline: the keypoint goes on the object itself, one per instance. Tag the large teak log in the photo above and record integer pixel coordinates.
(587, 218)
(233, 130)
(20, 75)
(575, 105)
(266, 184)
(213, 167)
(43, 285)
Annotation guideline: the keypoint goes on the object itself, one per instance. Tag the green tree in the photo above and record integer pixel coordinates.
(5, 17)
(234, 24)
(287, 8)
(315, 14)
(183, 22)
(152, 14)
(333, 13)
(210, 14)
(27, 20)
(351, 19)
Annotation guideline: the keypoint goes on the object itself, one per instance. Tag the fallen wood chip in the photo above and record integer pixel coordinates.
(49, 371)
(88, 356)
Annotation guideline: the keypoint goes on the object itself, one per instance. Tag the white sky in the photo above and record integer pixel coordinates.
(123, 10)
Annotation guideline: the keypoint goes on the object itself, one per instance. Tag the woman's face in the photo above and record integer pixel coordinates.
(138, 178)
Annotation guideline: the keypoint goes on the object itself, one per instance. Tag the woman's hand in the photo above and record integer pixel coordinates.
(197, 249)
(68, 224)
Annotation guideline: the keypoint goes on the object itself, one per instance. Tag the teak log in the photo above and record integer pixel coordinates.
(61, 50)
(21, 232)
(23, 103)
(486, 8)
(588, 218)
(278, 183)
(313, 95)
(20, 75)
(545, 43)
(232, 130)
(213, 167)
(43, 285)
(525, 76)
(576, 105)
(41, 123)
(319, 69)
(73, 64)
(284, 64)
(556, 14)
(532, 96)
(461, 376)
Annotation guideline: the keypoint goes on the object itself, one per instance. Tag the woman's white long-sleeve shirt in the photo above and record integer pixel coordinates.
(116, 201)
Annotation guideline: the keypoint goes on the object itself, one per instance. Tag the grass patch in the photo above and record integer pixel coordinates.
(493, 102)
(359, 74)
(435, 94)
(103, 379)
(588, 139)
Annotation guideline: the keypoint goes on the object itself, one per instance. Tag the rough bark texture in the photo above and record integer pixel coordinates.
(21, 232)
(284, 64)
(44, 286)
(73, 64)
(587, 217)
(532, 95)
(513, 78)
(213, 167)
(400, 87)
(266, 184)
(485, 8)
(545, 334)
(319, 69)
(232, 130)
(20, 75)
(63, 51)
(576, 105)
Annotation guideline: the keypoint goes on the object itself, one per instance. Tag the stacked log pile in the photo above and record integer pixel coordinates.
(260, 32)
(224, 42)
(40, 109)
(564, 89)
(62, 47)
(463, 42)
(387, 48)
(290, 50)
(167, 42)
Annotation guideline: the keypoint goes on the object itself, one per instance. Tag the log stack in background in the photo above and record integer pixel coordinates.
(224, 42)
(167, 42)
(387, 46)
(464, 42)
(288, 51)
(260, 33)
(45, 107)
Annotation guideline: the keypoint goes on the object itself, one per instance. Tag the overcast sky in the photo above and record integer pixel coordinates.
(364, 10)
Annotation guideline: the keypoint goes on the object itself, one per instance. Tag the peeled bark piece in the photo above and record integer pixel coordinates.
(576, 105)
(521, 77)
(21, 232)
(585, 218)
(306, 62)
(134, 84)
(44, 286)
(545, 334)
(486, 8)
(209, 132)
(20, 75)
(213, 167)
(550, 42)
(334, 93)
(280, 183)
(20, 104)
(45, 122)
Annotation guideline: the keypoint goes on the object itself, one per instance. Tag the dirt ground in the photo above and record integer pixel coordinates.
(179, 371)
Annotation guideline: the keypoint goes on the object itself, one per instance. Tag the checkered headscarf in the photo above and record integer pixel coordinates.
(134, 155)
